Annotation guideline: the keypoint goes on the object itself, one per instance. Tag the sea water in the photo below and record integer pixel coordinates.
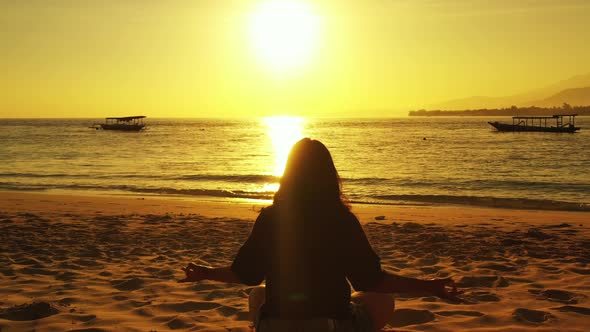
(458, 160)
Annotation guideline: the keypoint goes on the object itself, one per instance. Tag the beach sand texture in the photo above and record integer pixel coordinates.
(73, 263)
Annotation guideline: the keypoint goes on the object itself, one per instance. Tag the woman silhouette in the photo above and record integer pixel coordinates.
(308, 246)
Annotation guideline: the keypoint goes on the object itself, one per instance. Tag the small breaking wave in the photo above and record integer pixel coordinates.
(245, 178)
(134, 189)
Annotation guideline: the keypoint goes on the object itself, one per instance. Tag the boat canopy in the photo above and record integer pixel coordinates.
(127, 118)
(543, 117)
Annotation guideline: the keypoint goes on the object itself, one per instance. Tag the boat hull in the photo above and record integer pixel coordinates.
(122, 127)
(509, 127)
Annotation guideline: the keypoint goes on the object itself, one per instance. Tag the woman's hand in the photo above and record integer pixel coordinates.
(194, 272)
(445, 289)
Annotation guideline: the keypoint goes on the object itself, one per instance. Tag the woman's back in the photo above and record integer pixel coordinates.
(306, 255)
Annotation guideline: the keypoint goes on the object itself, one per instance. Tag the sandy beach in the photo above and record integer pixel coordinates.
(110, 263)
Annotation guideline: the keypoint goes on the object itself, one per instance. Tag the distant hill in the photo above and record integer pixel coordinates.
(528, 98)
(475, 102)
(576, 96)
(512, 111)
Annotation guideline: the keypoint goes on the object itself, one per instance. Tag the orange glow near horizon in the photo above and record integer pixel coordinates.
(283, 132)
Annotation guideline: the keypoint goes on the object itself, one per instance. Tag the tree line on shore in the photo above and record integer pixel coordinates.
(509, 111)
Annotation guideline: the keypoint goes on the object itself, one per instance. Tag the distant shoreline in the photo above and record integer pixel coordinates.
(512, 111)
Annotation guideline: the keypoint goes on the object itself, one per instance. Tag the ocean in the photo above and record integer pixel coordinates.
(430, 160)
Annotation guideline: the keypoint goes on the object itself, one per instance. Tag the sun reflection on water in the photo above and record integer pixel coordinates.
(283, 132)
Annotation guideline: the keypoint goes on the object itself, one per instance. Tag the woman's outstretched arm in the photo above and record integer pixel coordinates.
(392, 283)
(196, 272)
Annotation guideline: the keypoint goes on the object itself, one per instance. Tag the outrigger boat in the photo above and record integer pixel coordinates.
(127, 123)
(539, 123)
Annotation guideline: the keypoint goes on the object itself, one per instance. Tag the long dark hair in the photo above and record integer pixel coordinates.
(310, 177)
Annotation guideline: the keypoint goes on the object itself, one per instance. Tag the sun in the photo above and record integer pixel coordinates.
(284, 33)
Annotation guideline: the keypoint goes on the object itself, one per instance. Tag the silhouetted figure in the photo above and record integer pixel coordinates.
(307, 246)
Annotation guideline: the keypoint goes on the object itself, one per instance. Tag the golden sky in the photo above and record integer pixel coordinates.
(212, 58)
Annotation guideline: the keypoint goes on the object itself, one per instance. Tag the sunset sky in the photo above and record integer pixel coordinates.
(212, 58)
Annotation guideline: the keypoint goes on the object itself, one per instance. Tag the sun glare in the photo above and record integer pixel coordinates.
(283, 131)
(284, 33)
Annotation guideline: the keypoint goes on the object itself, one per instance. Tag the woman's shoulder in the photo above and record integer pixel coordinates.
(268, 209)
(351, 221)
(268, 212)
(348, 215)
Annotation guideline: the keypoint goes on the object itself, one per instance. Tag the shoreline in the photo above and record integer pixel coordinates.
(215, 207)
(516, 203)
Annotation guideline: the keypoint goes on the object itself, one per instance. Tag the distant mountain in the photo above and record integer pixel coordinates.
(512, 111)
(521, 99)
(574, 97)
(475, 102)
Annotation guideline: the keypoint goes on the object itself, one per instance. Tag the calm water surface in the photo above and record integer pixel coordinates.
(416, 160)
